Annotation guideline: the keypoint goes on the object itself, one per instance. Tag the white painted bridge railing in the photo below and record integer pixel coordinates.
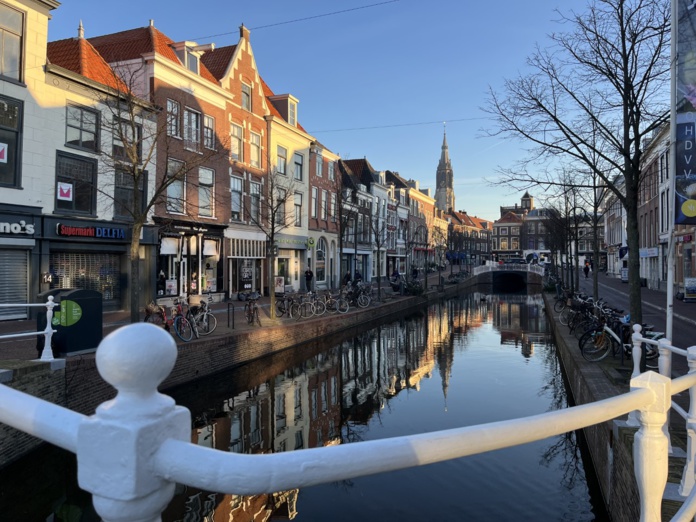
(492, 266)
(47, 352)
(135, 448)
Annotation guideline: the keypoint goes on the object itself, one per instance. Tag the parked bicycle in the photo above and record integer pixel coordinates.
(251, 309)
(157, 315)
(203, 318)
(613, 336)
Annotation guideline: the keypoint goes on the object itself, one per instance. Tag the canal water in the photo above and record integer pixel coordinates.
(470, 360)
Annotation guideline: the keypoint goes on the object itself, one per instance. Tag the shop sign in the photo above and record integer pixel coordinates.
(690, 288)
(99, 232)
(648, 252)
(684, 239)
(17, 228)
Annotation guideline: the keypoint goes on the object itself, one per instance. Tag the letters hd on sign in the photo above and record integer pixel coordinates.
(685, 179)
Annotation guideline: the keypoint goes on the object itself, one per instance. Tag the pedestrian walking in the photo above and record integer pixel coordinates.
(309, 275)
(586, 269)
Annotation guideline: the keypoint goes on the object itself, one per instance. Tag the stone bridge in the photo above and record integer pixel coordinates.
(508, 277)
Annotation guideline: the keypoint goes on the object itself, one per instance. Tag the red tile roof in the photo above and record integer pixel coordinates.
(133, 43)
(79, 56)
(218, 60)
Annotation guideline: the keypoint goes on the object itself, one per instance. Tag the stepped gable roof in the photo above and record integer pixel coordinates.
(218, 60)
(510, 217)
(133, 43)
(79, 56)
(363, 171)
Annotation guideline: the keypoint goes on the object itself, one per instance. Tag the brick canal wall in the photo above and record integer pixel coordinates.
(610, 444)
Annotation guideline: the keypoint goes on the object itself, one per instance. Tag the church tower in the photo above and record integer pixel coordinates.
(444, 191)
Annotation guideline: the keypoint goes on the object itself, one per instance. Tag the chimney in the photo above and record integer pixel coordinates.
(243, 32)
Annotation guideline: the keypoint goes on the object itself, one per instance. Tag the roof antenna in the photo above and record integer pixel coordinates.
(152, 23)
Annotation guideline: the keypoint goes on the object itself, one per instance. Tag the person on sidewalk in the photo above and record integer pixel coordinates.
(586, 269)
(309, 275)
(346, 279)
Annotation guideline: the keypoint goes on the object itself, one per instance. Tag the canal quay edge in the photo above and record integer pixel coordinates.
(79, 387)
(610, 444)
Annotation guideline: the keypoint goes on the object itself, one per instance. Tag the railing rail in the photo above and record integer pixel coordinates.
(137, 358)
(47, 352)
(508, 267)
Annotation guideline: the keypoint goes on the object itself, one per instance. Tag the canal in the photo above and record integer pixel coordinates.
(470, 360)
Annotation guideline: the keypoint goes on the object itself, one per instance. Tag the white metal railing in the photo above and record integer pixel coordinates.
(137, 484)
(47, 352)
(508, 267)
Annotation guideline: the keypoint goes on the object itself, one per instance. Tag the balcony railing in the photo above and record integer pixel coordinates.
(47, 352)
(149, 450)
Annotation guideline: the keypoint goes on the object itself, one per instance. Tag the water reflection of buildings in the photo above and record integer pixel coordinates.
(520, 321)
(317, 402)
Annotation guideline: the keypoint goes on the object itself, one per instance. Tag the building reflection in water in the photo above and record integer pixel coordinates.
(314, 396)
(325, 399)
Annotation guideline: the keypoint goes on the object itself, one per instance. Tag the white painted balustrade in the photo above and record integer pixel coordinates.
(47, 353)
(135, 448)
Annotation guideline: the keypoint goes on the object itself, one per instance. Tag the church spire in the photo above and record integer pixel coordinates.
(444, 191)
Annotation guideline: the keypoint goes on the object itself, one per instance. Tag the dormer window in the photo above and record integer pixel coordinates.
(292, 114)
(189, 54)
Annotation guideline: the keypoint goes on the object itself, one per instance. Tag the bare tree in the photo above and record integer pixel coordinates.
(593, 97)
(378, 231)
(269, 213)
(135, 176)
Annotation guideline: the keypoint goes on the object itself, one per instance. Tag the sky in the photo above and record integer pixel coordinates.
(375, 79)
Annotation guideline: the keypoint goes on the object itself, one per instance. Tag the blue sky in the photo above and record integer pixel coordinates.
(376, 80)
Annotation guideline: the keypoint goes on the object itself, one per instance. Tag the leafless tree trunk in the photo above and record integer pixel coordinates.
(593, 95)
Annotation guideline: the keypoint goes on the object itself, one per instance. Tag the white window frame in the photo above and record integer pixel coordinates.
(255, 150)
(176, 191)
(237, 138)
(255, 201)
(324, 204)
(320, 165)
(173, 118)
(298, 209)
(208, 132)
(246, 97)
(297, 166)
(206, 192)
(192, 129)
(332, 171)
(315, 197)
(236, 207)
(281, 160)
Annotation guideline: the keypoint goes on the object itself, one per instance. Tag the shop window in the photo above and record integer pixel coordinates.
(87, 271)
(81, 128)
(75, 184)
(11, 112)
(124, 197)
(11, 35)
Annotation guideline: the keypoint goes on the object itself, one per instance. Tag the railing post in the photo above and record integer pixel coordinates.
(650, 445)
(664, 366)
(687, 480)
(636, 354)
(115, 446)
(47, 352)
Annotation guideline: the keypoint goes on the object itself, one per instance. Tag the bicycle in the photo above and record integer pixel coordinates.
(251, 309)
(595, 345)
(337, 304)
(203, 318)
(157, 315)
(303, 308)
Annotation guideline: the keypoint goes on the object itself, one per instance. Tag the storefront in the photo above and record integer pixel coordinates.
(94, 255)
(292, 260)
(19, 282)
(189, 261)
(246, 257)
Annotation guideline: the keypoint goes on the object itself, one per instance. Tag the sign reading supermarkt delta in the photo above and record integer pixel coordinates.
(100, 232)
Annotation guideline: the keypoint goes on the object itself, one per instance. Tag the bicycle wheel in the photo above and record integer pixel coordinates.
(584, 327)
(319, 308)
(596, 345)
(342, 305)
(255, 316)
(295, 310)
(331, 305)
(183, 329)
(564, 317)
(207, 323)
(305, 310)
(280, 308)
(363, 300)
(558, 306)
